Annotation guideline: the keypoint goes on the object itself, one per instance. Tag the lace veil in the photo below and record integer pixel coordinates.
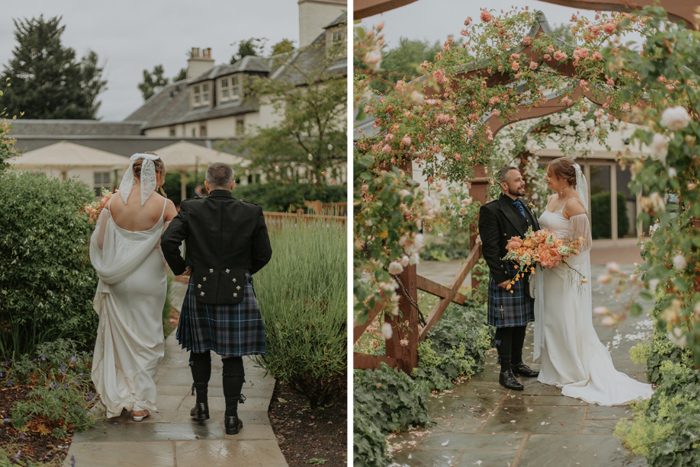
(148, 177)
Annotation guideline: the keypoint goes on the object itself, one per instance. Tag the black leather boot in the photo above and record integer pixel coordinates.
(233, 379)
(200, 411)
(506, 378)
(524, 370)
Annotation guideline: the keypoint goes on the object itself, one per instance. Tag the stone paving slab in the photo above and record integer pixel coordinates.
(481, 423)
(170, 437)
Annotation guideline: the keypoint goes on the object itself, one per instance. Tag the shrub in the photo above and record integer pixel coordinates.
(386, 400)
(455, 346)
(600, 213)
(47, 283)
(62, 389)
(278, 197)
(666, 428)
(302, 297)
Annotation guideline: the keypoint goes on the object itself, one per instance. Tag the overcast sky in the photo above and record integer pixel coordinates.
(132, 35)
(436, 19)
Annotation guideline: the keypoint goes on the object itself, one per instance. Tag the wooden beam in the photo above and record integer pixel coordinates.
(441, 291)
(363, 361)
(441, 306)
(359, 329)
(365, 8)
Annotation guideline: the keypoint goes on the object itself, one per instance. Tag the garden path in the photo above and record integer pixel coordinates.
(481, 423)
(170, 437)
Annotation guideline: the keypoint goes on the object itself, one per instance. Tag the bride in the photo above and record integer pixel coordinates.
(125, 251)
(573, 357)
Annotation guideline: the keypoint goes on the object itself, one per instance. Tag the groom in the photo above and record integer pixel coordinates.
(226, 243)
(509, 309)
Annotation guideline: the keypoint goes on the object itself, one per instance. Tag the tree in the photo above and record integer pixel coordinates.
(46, 79)
(181, 75)
(283, 46)
(153, 82)
(252, 46)
(312, 101)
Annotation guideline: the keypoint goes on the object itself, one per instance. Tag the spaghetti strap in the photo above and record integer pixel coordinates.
(165, 203)
(567, 202)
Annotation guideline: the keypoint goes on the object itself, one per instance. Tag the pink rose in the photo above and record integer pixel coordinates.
(609, 28)
(559, 55)
(496, 113)
(527, 40)
(547, 57)
(580, 54)
(515, 66)
(550, 49)
(514, 242)
(406, 141)
(486, 16)
(549, 257)
(533, 65)
(386, 149)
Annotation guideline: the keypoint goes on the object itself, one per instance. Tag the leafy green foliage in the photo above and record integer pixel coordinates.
(455, 346)
(248, 47)
(302, 297)
(153, 82)
(309, 142)
(47, 283)
(386, 400)
(62, 388)
(666, 428)
(7, 143)
(59, 87)
(600, 212)
(279, 197)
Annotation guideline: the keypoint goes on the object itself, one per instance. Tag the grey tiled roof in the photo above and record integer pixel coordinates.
(30, 127)
(250, 64)
(341, 19)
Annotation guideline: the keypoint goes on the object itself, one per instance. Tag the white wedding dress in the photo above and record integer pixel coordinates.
(573, 357)
(129, 301)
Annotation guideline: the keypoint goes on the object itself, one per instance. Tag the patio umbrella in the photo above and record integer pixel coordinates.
(65, 156)
(186, 157)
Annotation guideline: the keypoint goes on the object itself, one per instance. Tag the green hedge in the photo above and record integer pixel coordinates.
(303, 300)
(47, 283)
(602, 221)
(277, 197)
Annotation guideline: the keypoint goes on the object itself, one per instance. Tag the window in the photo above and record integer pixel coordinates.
(203, 130)
(240, 126)
(172, 131)
(257, 178)
(194, 133)
(250, 179)
(101, 180)
(200, 95)
(235, 87)
(337, 36)
(225, 90)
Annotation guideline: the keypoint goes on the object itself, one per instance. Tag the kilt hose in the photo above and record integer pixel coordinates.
(507, 309)
(228, 330)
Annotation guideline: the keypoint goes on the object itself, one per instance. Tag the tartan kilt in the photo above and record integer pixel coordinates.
(229, 330)
(507, 309)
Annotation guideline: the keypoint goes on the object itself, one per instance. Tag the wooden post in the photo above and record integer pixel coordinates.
(478, 192)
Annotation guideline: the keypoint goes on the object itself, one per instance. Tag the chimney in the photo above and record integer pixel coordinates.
(199, 62)
(314, 15)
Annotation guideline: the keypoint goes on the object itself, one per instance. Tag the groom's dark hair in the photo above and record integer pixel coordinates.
(219, 175)
(504, 171)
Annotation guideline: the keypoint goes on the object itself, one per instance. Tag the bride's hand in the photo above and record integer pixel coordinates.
(188, 272)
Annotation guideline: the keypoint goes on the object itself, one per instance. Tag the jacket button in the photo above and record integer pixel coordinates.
(202, 294)
(204, 278)
(234, 279)
(238, 287)
(235, 295)
(227, 271)
(199, 286)
(211, 270)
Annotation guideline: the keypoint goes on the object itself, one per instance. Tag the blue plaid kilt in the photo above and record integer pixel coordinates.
(507, 309)
(228, 330)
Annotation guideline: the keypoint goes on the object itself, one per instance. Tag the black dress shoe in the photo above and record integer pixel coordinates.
(524, 370)
(233, 425)
(200, 411)
(507, 379)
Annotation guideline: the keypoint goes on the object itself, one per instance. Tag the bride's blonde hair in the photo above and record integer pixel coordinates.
(563, 169)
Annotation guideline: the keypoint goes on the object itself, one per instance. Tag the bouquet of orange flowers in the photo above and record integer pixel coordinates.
(94, 209)
(543, 248)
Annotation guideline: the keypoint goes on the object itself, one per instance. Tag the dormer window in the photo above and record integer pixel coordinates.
(230, 88)
(200, 94)
(335, 38)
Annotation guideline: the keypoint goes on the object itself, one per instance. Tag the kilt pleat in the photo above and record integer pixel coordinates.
(507, 309)
(229, 330)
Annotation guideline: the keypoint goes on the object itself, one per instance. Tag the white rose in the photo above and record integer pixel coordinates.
(417, 97)
(414, 259)
(405, 260)
(675, 118)
(659, 148)
(395, 268)
(386, 331)
(603, 279)
(404, 193)
(600, 311)
(608, 321)
(418, 241)
(373, 58)
(679, 262)
(613, 267)
(672, 173)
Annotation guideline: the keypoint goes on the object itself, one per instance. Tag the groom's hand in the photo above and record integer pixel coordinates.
(188, 272)
(504, 284)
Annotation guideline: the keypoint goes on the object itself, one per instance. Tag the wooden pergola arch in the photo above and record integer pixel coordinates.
(406, 357)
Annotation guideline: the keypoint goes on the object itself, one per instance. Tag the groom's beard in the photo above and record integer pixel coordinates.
(516, 193)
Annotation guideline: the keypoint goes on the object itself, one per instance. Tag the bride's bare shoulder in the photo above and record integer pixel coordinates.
(574, 207)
